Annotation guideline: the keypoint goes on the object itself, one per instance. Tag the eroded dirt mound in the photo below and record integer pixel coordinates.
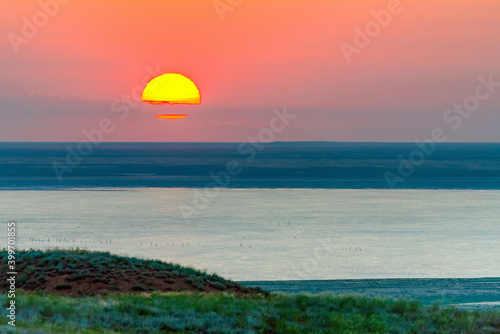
(77, 272)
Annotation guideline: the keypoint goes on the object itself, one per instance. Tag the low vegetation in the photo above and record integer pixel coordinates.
(189, 312)
(78, 272)
(208, 304)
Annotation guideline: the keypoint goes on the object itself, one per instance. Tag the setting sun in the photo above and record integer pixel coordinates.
(171, 88)
(172, 116)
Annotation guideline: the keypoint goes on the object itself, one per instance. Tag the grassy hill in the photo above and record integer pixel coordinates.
(203, 303)
(84, 273)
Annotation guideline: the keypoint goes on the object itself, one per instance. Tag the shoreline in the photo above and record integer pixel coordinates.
(458, 292)
(121, 183)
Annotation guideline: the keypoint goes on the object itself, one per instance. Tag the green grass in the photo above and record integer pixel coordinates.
(113, 273)
(249, 311)
(227, 313)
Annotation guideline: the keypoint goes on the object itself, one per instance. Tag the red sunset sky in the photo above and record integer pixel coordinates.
(262, 55)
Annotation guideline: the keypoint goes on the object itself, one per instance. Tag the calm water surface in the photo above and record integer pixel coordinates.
(275, 234)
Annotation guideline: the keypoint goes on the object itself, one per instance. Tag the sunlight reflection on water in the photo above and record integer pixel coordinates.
(275, 234)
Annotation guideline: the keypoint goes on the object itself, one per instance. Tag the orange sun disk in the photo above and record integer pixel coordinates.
(172, 88)
(172, 116)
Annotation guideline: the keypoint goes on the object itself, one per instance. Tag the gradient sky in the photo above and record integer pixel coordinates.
(263, 55)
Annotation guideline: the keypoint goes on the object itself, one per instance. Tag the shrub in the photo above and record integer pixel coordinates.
(64, 286)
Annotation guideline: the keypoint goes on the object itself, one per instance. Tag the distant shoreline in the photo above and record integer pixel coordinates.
(460, 292)
(147, 182)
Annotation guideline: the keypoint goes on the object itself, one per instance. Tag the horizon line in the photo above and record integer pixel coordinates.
(239, 142)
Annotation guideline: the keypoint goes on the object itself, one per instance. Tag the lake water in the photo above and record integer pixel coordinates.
(320, 165)
(274, 234)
